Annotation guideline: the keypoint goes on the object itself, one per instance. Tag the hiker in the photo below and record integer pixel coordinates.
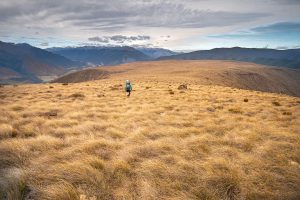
(128, 87)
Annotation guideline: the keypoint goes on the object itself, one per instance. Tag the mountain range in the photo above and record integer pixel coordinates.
(25, 63)
(101, 55)
(282, 58)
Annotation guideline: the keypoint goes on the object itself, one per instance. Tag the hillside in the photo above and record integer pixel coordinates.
(25, 63)
(82, 75)
(224, 73)
(88, 141)
(282, 58)
(101, 55)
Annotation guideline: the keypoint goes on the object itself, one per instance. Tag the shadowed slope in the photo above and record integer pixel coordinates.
(83, 75)
(31, 64)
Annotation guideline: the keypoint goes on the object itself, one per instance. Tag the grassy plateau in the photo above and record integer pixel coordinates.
(89, 141)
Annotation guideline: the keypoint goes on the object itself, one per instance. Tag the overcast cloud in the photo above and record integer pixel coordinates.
(189, 24)
(119, 38)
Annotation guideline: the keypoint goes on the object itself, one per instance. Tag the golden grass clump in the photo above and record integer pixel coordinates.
(6, 131)
(88, 141)
(77, 95)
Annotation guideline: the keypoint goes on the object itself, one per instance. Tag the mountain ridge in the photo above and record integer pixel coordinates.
(25, 63)
(94, 55)
(271, 57)
(32, 63)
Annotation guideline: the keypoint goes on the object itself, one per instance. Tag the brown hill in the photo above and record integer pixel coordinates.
(83, 75)
(223, 73)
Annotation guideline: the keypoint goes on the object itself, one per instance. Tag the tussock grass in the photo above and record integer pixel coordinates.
(77, 95)
(275, 103)
(182, 87)
(92, 142)
(6, 131)
(235, 110)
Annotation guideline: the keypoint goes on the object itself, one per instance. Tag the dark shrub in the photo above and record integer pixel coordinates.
(182, 87)
(77, 95)
(275, 103)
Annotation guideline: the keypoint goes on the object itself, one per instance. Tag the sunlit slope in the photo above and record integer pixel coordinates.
(224, 73)
(89, 141)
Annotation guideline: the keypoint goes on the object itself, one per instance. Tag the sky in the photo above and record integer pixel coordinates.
(173, 24)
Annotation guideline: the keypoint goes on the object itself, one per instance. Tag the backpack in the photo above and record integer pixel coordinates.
(128, 86)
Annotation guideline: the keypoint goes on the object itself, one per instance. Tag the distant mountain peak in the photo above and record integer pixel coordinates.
(102, 55)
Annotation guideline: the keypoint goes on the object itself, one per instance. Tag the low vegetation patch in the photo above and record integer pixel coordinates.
(52, 113)
(116, 87)
(17, 108)
(6, 131)
(287, 113)
(100, 95)
(210, 109)
(182, 87)
(275, 103)
(77, 95)
(171, 91)
(235, 110)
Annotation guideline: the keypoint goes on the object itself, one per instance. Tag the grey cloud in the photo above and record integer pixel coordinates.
(28, 38)
(99, 39)
(101, 15)
(288, 47)
(122, 38)
(27, 8)
(287, 1)
(282, 47)
(177, 15)
(148, 45)
(44, 44)
(282, 26)
(119, 38)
